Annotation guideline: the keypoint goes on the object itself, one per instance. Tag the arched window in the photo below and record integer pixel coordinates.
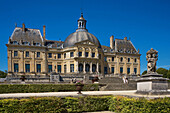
(80, 67)
(87, 67)
(93, 68)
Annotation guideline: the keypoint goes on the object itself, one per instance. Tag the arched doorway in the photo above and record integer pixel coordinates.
(94, 68)
(80, 67)
(87, 67)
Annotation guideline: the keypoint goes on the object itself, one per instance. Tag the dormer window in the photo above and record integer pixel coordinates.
(15, 42)
(26, 43)
(37, 44)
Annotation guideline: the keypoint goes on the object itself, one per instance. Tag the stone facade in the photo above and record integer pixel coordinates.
(29, 53)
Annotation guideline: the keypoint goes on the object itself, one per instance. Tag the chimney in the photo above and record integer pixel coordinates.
(125, 38)
(44, 32)
(23, 27)
(111, 41)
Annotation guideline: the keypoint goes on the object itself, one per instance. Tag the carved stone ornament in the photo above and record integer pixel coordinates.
(151, 57)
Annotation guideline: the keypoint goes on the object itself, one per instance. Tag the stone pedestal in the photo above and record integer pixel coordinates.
(152, 84)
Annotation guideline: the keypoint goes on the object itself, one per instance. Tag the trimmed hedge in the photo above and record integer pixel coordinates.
(36, 88)
(85, 104)
(139, 105)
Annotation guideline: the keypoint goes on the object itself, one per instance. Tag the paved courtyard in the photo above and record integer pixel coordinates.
(128, 93)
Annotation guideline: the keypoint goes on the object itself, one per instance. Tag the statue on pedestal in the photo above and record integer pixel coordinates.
(152, 57)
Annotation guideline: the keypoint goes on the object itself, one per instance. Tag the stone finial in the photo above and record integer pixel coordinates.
(138, 51)
(125, 38)
(151, 57)
(23, 27)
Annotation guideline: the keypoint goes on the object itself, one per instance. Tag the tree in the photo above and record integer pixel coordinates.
(144, 72)
(168, 74)
(3, 74)
(162, 71)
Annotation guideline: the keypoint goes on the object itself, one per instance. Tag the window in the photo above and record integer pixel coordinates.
(121, 69)
(93, 54)
(27, 54)
(80, 54)
(105, 70)
(71, 67)
(27, 67)
(128, 70)
(113, 69)
(135, 70)
(121, 59)
(135, 60)
(59, 55)
(49, 68)
(65, 68)
(128, 59)
(99, 68)
(87, 54)
(16, 67)
(59, 68)
(38, 54)
(38, 68)
(112, 58)
(71, 54)
(15, 53)
(105, 59)
(93, 68)
(64, 55)
(49, 55)
(80, 67)
(99, 56)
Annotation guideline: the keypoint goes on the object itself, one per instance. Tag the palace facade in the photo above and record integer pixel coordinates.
(30, 53)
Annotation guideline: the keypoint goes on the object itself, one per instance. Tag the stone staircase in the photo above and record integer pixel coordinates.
(116, 83)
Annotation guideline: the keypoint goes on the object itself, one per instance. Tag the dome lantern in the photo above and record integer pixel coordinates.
(81, 24)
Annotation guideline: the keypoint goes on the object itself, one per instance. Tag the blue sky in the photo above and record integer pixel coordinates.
(146, 22)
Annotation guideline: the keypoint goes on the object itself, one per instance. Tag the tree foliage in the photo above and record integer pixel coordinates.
(144, 72)
(3, 74)
(165, 72)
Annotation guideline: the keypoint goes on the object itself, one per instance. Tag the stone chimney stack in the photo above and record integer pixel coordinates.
(44, 32)
(23, 27)
(125, 38)
(111, 41)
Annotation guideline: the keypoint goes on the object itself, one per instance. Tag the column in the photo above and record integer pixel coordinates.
(90, 67)
(83, 52)
(118, 68)
(125, 66)
(10, 61)
(84, 67)
(77, 67)
(131, 66)
(97, 67)
(21, 65)
(138, 68)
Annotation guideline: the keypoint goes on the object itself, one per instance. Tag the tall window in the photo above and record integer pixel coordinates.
(112, 58)
(80, 67)
(27, 67)
(65, 68)
(49, 55)
(128, 70)
(135, 60)
(121, 69)
(86, 54)
(71, 67)
(49, 68)
(16, 68)
(113, 69)
(59, 68)
(59, 55)
(71, 54)
(15, 53)
(38, 54)
(64, 55)
(128, 59)
(105, 70)
(99, 56)
(93, 54)
(80, 54)
(121, 59)
(27, 54)
(93, 68)
(38, 68)
(135, 70)
(105, 59)
(99, 68)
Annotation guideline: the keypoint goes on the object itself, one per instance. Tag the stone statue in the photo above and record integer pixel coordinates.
(151, 57)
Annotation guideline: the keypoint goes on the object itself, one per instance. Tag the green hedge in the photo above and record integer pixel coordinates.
(54, 104)
(35, 88)
(85, 104)
(139, 105)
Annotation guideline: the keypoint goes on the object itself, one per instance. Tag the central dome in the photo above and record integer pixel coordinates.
(81, 34)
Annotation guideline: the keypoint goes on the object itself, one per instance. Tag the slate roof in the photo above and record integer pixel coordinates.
(30, 36)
